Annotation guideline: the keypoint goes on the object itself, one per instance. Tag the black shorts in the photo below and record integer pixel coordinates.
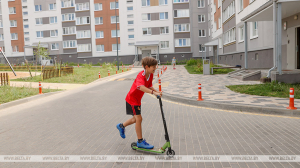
(132, 109)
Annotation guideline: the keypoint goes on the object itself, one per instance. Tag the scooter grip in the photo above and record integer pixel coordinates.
(158, 96)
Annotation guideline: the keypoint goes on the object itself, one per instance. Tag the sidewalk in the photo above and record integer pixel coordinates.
(181, 84)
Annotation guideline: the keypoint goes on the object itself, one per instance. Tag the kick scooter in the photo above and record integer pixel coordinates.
(167, 145)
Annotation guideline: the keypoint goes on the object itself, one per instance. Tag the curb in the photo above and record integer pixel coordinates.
(234, 107)
(27, 99)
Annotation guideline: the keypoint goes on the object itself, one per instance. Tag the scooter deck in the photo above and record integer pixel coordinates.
(149, 150)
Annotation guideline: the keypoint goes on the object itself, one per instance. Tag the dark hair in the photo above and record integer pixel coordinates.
(150, 61)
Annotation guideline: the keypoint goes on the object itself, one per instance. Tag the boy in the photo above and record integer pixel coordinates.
(173, 62)
(141, 85)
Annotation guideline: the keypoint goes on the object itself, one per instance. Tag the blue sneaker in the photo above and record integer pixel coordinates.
(144, 145)
(121, 130)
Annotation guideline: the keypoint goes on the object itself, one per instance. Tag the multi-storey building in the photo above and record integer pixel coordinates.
(85, 30)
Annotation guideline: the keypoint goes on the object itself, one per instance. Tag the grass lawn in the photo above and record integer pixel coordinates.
(8, 93)
(193, 69)
(82, 75)
(273, 89)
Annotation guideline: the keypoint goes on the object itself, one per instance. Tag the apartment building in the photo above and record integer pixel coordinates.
(84, 31)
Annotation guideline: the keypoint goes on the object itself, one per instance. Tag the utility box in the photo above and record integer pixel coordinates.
(206, 67)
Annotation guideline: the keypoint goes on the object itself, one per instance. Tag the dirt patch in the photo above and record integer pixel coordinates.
(20, 74)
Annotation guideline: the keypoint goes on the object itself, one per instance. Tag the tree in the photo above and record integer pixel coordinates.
(41, 53)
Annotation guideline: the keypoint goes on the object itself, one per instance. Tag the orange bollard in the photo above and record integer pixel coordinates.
(199, 93)
(158, 73)
(122, 69)
(40, 88)
(159, 84)
(78, 65)
(291, 106)
(108, 73)
(116, 71)
(99, 75)
(127, 68)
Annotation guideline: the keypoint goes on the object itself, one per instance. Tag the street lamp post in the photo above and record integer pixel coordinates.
(117, 33)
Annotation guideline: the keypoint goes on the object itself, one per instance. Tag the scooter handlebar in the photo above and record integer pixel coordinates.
(158, 96)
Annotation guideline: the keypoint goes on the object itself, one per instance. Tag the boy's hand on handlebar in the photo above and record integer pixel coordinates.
(158, 93)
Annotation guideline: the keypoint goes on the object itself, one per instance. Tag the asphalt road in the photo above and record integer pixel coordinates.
(83, 122)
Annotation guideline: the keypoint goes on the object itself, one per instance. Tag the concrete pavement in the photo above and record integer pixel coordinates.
(82, 122)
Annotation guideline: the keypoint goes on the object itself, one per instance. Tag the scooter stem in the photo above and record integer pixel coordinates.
(164, 121)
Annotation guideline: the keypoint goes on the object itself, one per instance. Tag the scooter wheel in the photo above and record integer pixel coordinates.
(133, 144)
(171, 153)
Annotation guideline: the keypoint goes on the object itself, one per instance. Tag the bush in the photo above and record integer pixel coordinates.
(191, 62)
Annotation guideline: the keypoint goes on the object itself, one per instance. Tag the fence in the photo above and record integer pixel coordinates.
(4, 79)
(24, 68)
(51, 73)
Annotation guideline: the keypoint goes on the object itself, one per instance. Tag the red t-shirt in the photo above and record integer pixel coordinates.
(135, 95)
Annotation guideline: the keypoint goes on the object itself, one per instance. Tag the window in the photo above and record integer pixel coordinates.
(98, 20)
(163, 2)
(25, 13)
(39, 34)
(147, 31)
(130, 16)
(84, 47)
(182, 42)
(241, 57)
(130, 30)
(38, 8)
(99, 34)
(67, 3)
(83, 34)
(254, 30)
(129, 8)
(256, 56)
(1, 23)
(26, 26)
(201, 18)
(113, 19)
(229, 11)
(100, 48)
(12, 10)
(98, 6)
(131, 44)
(24, 7)
(229, 36)
(164, 44)
(201, 33)
(82, 6)
(180, 1)
(114, 5)
(53, 19)
(25, 20)
(113, 33)
(1, 37)
(145, 2)
(130, 22)
(201, 4)
(69, 44)
(241, 34)
(181, 13)
(52, 6)
(69, 30)
(26, 33)
(68, 17)
(164, 30)
(129, 1)
(219, 23)
(181, 27)
(15, 48)
(27, 39)
(163, 16)
(131, 36)
(146, 16)
(114, 47)
(83, 20)
(24, 0)
(38, 21)
(201, 48)
(14, 36)
(241, 5)
(13, 23)
(53, 33)
(54, 46)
